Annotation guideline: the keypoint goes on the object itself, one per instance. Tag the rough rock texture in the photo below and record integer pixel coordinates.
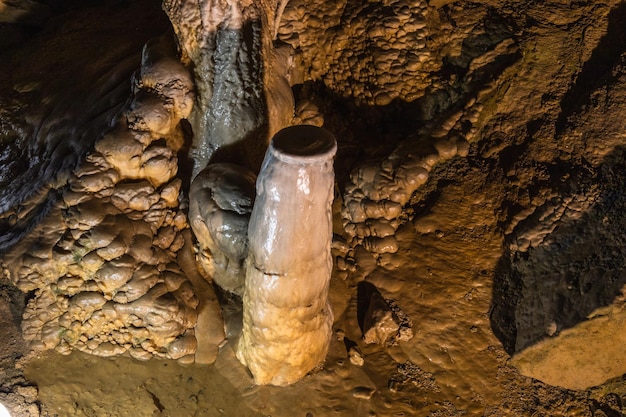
(220, 202)
(48, 125)
(378, 324)
(243, 97)
(533, 91)
(374, 52)
(102, 264)
(382, 321)
(561, 279)
(17, 394)
(377, 192)
(210, 328)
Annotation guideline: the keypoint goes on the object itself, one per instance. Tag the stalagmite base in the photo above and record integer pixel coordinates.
(287, 319)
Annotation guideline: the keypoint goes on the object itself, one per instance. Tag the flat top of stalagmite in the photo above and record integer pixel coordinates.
(304, 143)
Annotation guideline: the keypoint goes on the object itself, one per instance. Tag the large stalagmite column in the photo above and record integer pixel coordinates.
(287, 319)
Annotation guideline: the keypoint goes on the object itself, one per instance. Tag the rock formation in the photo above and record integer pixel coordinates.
(221, 199)
(243, 96)
(286, 316)
(102, 263)
(477, 206)
(559, 293)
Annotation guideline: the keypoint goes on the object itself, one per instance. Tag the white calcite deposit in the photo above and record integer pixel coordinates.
(287, 319)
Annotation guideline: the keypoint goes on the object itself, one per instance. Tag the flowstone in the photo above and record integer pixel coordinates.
(243, 94)
(102, 264)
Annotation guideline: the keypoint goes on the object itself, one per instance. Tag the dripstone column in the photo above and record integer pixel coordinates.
(287, 319)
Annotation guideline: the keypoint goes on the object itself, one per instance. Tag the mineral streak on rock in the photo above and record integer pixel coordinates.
(243, 96)
(102, 263)
(287, 319)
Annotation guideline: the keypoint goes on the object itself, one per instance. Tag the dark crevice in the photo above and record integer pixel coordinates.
(596, 71)
(156, 401)
(15, 299)
(576, 268)
(185, 163)
(606, 409)
(364, 293)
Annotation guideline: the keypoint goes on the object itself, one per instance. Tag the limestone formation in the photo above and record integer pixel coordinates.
(381, 320)
(102, 264)
(379, 325)
(375, 53)
(368, 60)
(221, 199)
(480, 143)
(287, 319)
(558, 297)
(375, 199)
(243, 95)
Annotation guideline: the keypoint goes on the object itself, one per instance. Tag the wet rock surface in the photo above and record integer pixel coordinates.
(287, 320)
(479, 153)
(221, 200)
(243, 95)
(100, 267)
(50, 123)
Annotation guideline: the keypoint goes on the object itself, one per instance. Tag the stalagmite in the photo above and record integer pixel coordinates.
(220, 202)
(287, 319)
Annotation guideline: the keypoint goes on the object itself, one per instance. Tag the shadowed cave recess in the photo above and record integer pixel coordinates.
(477, 250)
